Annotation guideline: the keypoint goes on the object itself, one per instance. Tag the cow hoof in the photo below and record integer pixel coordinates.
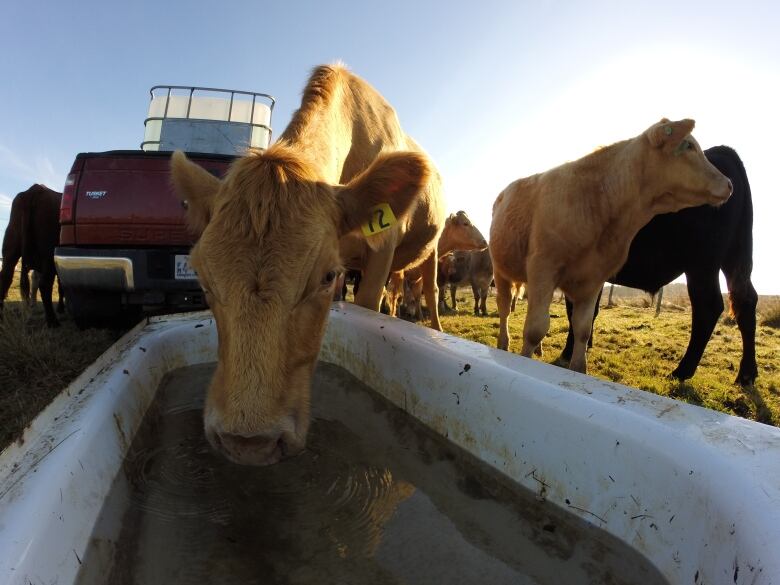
(680, 375)
(745, 380)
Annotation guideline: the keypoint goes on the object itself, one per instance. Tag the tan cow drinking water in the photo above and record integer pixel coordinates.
(571, 226)
(274, 234)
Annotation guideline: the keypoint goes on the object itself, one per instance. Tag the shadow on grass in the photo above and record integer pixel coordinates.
(742, 403)
(763, 413)
(683, 390)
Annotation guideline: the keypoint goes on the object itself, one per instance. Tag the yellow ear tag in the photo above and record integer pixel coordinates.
(382, 218)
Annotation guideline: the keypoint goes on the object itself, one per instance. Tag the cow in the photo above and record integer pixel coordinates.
(396, 290)
(32, 234)
(699, 242)
(571, 227)
(343, 280)
(413, 296)
(471, 267)
(518, 293)
(343, 187)
(34, 286)
(459, 233)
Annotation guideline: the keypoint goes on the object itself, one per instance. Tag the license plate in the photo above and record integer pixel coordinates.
(183, 269)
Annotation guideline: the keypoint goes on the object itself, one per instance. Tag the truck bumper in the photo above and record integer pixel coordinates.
(142, 276)
(96, 272)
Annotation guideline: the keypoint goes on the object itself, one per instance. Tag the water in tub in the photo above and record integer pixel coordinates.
(375, 498)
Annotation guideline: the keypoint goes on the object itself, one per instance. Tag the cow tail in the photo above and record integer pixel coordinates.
(742, 244)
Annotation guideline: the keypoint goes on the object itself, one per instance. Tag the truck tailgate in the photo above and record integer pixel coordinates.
(126, 197)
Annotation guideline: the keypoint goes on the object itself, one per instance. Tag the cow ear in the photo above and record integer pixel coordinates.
(666, 131)
(393, 181)
(196, 187)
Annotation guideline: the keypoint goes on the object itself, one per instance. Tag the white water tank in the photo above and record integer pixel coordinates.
(208, 120)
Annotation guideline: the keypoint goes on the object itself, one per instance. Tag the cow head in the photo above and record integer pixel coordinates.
(680, 174)
(267, 258)
(460, 234)
(413, 296)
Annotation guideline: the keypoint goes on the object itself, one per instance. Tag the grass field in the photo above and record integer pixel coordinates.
(632, 347)
(37, 362)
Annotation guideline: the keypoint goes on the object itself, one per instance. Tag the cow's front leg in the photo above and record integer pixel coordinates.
(504, 301)
(582, 324)
(375, 277)
(430, 288)
(539, 294)
(706, 308)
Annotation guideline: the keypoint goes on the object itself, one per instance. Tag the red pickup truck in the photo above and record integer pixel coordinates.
(123, 240)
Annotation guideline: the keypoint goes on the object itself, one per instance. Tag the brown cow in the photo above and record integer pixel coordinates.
(32, 234)
(571, 226)
(518, 294)
(274, 234)
(459, 233)
(472, 267)
(31, 297)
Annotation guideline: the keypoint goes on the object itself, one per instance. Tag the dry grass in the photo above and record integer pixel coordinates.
(769, 314)
(38, 362)
(633, 347)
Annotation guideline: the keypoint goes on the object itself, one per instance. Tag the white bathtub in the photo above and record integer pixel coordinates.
(695, 491)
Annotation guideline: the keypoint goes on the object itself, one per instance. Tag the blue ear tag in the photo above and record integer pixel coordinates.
(668, 130)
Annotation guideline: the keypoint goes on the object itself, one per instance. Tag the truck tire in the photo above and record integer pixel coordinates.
(100, 309)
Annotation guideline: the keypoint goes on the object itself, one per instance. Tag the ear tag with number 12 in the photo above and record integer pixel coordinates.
(382, 218)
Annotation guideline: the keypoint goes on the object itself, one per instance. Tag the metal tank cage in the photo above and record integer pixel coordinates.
(192, 92)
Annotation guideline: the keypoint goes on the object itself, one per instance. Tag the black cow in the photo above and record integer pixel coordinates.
(32, 234)
(700, 242)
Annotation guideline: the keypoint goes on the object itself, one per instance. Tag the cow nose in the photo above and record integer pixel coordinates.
(253, 450)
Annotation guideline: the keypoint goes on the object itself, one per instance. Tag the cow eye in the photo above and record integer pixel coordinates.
(689, 145)
(329, 278)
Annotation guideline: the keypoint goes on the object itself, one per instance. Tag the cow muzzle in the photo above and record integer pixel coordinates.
(254, 450)
(722, 193)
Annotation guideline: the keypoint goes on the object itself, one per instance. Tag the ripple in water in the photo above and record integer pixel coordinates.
(375, 498)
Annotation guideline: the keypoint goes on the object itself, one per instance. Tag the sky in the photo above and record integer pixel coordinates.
(493, 90)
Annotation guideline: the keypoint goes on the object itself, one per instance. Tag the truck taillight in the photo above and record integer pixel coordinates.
(68, 196)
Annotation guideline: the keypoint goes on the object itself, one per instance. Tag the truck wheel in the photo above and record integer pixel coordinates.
(100, 309)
